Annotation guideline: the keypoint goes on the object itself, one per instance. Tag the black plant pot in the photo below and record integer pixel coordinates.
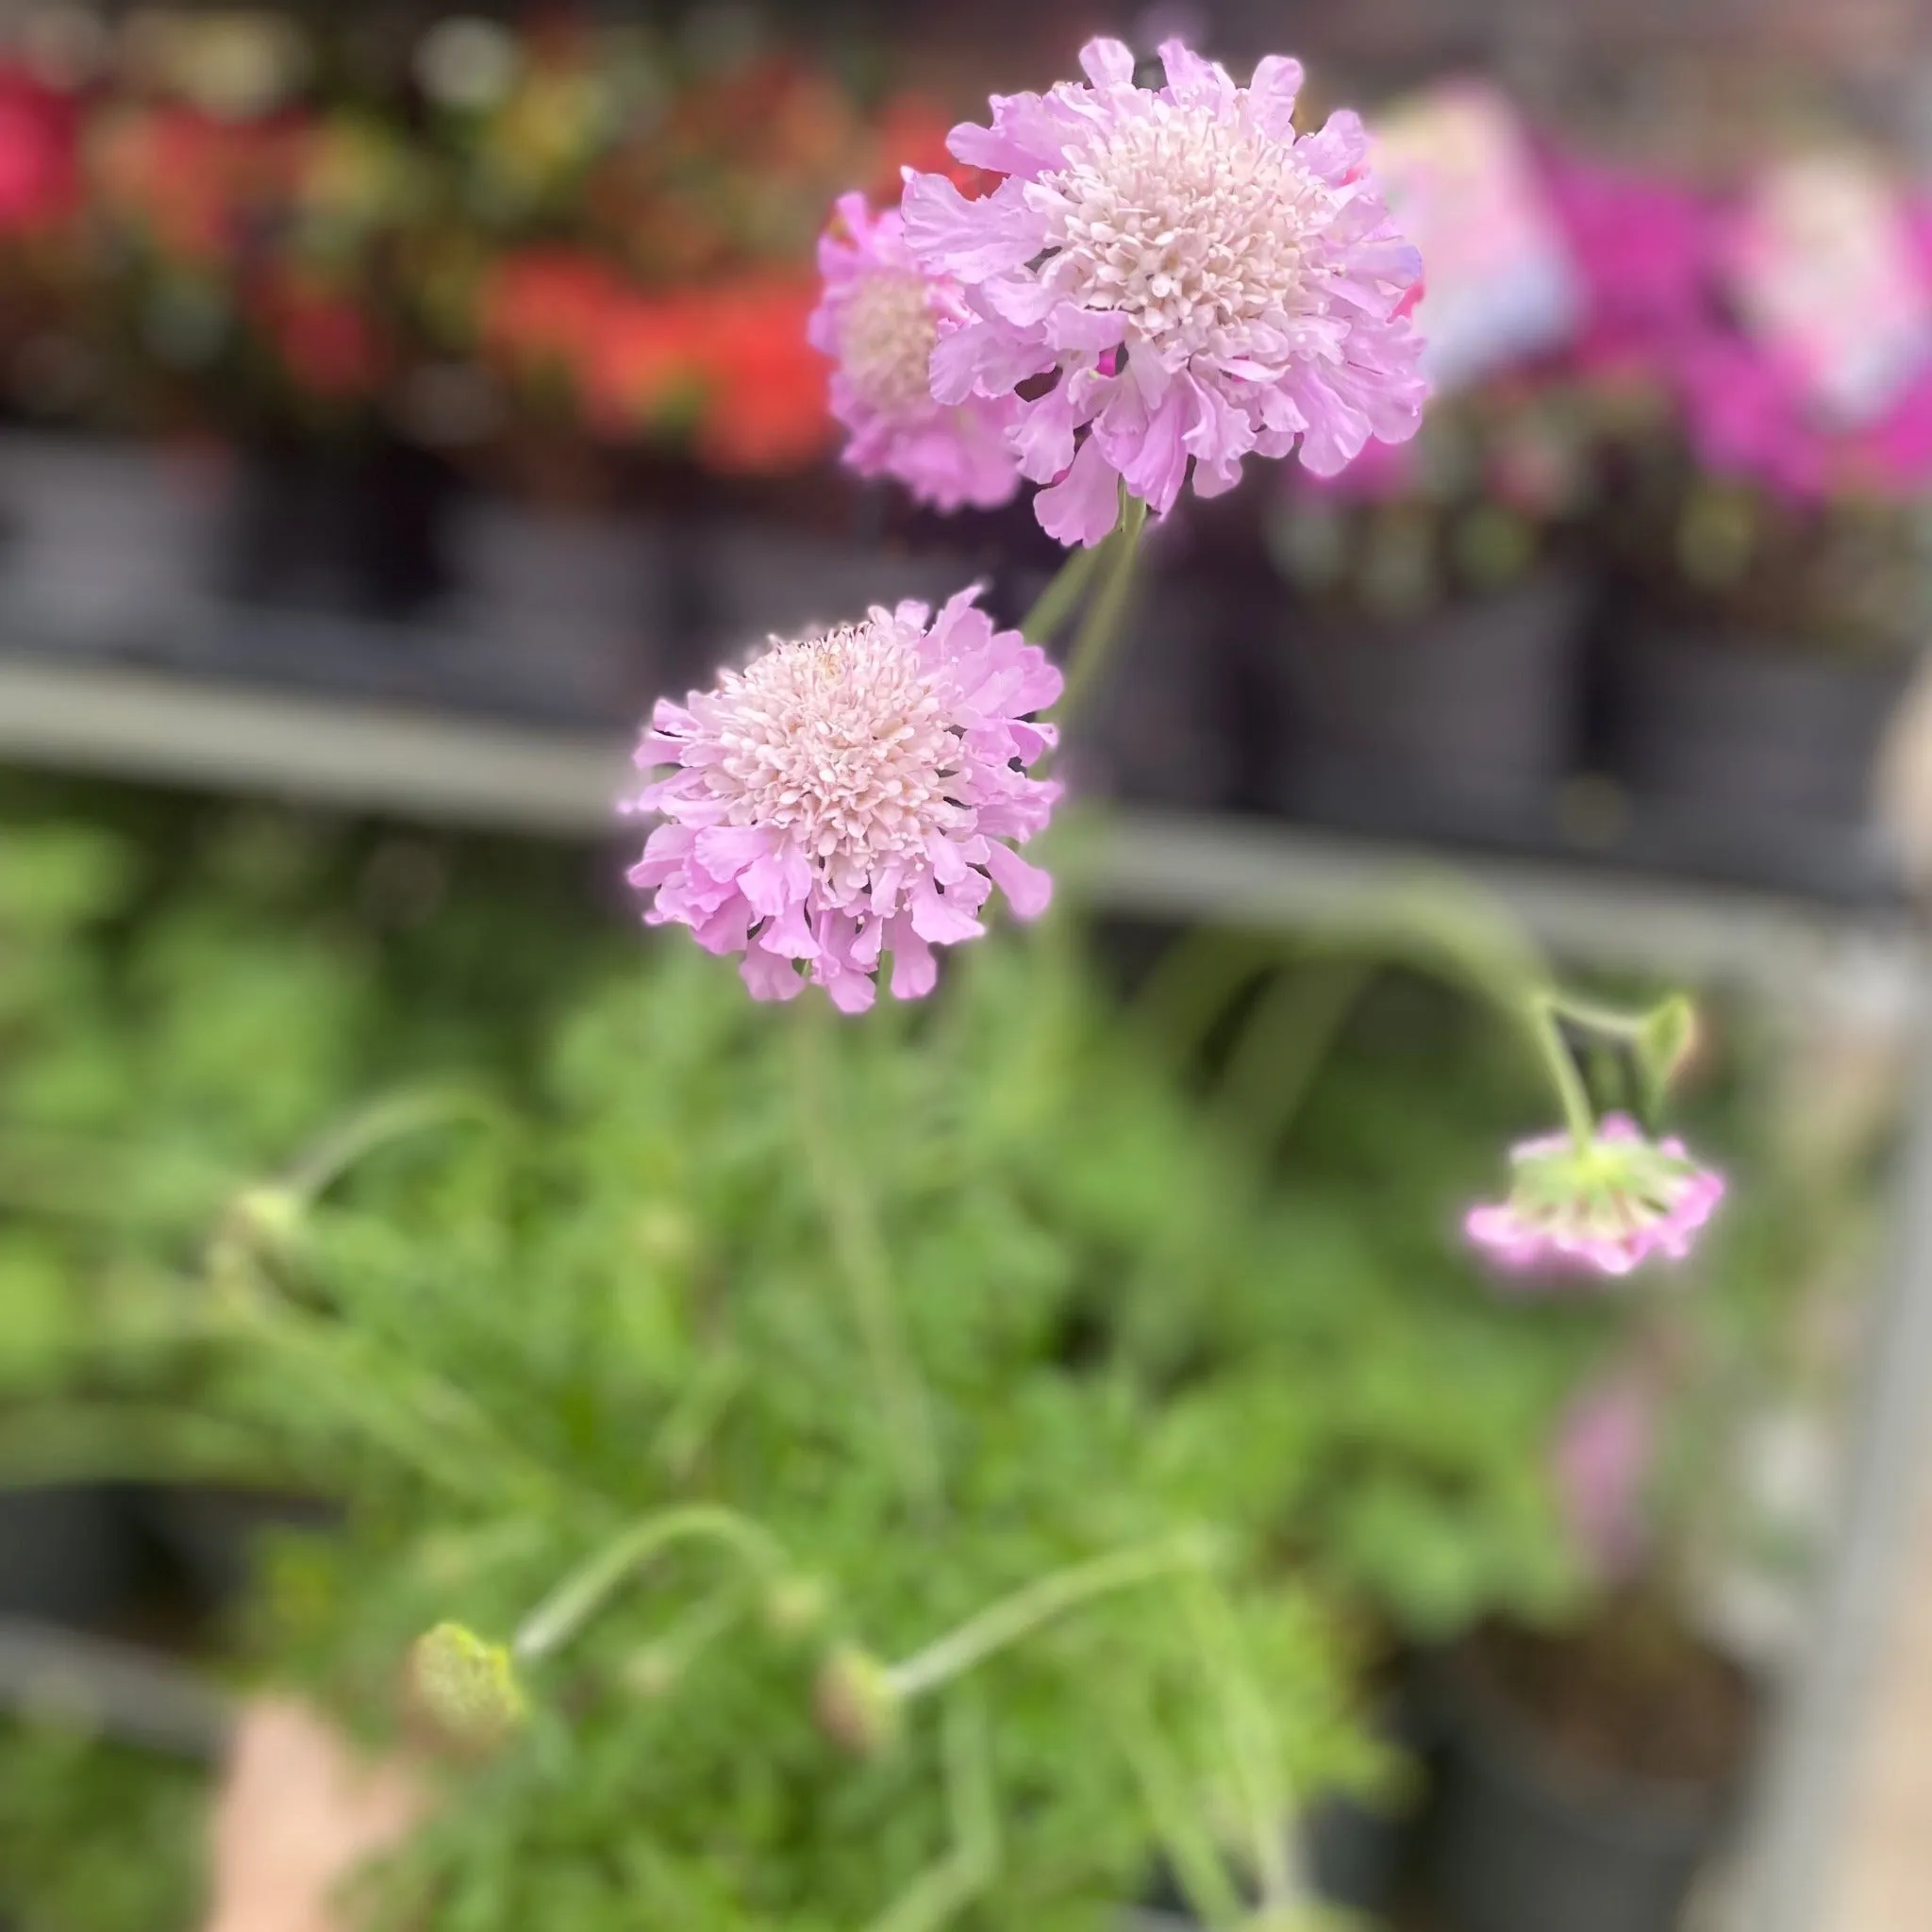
(352, 524)
(569, 613)
(1475, 705)
(1749, 726)
(107, 544)
(69, 1555)
(211, 1535)
(1521, 1840)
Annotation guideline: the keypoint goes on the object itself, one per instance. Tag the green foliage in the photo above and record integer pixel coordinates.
(94, 1838)
(948, 1302)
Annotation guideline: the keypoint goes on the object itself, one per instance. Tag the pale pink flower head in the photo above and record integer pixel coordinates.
(878, 320)
(1174, 276)
(852, 794)
(1610, 1205)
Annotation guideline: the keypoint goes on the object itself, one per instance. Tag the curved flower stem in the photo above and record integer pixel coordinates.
(948, 1888)
(1578, 1115)
(1283, 1047)
(1004, 1623)
(389, 1119)
(584, 1591)
(1055, 604)
(1102, 627)
(1604, 1020)
(860, 1249)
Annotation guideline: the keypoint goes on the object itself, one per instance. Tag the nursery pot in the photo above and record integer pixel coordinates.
(1750, 723)
(210, 1533)
(348, 524)
(106, 545)
(570, 612)
(1524, 1838)
(1474, 703)
(68, 1555)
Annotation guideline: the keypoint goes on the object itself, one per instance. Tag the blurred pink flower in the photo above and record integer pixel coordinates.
(1643, 249)
(878, 320)
(1610, 1205)
(850, 795)
(1601, 1460)
(1745, 415)
(1197, 282)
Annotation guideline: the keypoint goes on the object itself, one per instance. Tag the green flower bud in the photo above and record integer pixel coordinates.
(466, 1690)
(266, 1218)
(797, 1605)
(857, 1703)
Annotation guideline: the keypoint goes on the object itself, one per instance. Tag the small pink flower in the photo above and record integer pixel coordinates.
(1175, 277)
(850, 794)
(1610, 1205)
(878, 320)
(1601, 1459)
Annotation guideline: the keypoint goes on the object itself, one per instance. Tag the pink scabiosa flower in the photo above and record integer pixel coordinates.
(850, 795)
(878, 320)
(1170, 275)
(1609, 1204)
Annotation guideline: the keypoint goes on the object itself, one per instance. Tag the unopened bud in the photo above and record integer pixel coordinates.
(797, 1605)
(857, 1703)
(653, 1671)
(466, 1690)
(266, 1219)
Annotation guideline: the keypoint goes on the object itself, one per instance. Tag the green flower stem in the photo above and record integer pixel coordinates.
(1560, 1064)
(389, 1119)
(1604, 1020)
(584, 1591)
(950, 1886)
(1283, 1046)
(1056, 603)
(1253, 1746)
(1004, 1623)
(1188, 1843)
(1101, 630)
(852, 1220)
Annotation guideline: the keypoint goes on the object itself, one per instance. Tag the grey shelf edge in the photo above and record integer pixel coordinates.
(392, 759)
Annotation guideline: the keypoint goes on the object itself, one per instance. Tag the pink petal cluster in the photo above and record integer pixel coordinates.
(1610, 1205)
(878, 320)
(1170, 278)
(850, 794)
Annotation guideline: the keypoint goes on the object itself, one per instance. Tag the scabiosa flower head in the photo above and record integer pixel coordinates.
(1172, 274)
(878, 320)
(1609, 1204)
(849, 795)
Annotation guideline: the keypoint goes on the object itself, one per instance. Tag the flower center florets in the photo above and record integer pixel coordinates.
(886, 333)
(1195, 226)
(842, 742)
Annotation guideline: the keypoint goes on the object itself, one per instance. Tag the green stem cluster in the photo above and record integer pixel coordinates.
(1112, 563)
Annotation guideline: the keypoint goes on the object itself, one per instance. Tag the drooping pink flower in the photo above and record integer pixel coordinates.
(1610, 1205)
(878, 320)
(852, 794)
(1601, 1459)
(1168, 277)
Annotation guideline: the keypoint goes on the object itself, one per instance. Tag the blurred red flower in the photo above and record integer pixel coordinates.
(39, 155)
